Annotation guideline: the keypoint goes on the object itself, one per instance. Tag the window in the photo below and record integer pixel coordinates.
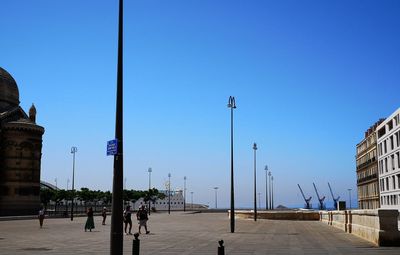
(386, 166)
(398, 181)
(391, 143)
(392, 157)
(381, 132)
(398, 159)
(390, 125)
(394, 182)
(387, 183)
(398, 139)
(384, 147)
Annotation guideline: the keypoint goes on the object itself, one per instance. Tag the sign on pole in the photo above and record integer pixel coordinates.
(112, 147)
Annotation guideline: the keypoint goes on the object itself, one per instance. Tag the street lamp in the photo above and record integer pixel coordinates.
(216, 197)
(232, 105)
(191, 195)
(255, 183)
(272, 192)
(169, 193)
(116, 239)
(266, 188)
(149, 170)
(73, 151)
(270, 197)
(349, 198)
(184, 194)
(259, 200)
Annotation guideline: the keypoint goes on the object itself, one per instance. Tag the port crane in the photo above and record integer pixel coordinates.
(335, 200)
(308, 204)
(320, 199)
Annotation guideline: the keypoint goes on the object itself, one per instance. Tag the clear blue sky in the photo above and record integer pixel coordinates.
(309, 78)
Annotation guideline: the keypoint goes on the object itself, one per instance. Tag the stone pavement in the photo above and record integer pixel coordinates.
(184, 233)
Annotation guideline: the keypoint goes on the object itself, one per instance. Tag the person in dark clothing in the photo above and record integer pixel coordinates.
(89, 222)
(41, 217)
(104, 214)
(128, 219)
(142, 218)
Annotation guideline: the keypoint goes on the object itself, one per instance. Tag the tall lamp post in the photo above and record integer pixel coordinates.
(73, 151)
(232, 105)
(272, 192)
(117, 241)
(270, 197)
(169, 193)
(349, 198)
(191, 196)
(266, 188)
(184, 193)
(149, 170)
(216, 197)
(255, 183)
(259, 200)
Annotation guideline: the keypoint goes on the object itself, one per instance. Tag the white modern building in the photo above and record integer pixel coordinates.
(176, 199)
(388, 133)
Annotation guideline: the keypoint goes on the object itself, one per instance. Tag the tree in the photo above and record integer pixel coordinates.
(46, 195)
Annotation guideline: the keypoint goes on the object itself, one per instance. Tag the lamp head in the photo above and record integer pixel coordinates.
(231, 102)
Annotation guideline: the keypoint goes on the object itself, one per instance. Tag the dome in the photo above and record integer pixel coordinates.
(9, 95)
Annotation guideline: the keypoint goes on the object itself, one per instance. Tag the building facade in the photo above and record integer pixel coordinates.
(367, 170)
(388, 133)
(177, 202)
(20, 152)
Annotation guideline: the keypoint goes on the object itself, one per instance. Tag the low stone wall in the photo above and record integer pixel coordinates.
(378, 226)
(278, 215)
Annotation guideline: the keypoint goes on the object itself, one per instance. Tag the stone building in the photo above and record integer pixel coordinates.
(367, 170)
(20, 152)
(389, 161)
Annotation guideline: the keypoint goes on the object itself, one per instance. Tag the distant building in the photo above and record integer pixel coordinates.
(177, 201)
(388, 133)
(367, 170)
(20, 152)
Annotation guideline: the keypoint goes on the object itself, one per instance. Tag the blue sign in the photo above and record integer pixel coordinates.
(112, 147)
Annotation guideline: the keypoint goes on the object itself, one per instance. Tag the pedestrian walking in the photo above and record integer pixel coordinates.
(128, 219)
(104, 214)
(142, 218)
(41, 217)
(89, 222)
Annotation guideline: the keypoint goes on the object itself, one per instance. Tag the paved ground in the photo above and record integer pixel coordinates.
(181, 233)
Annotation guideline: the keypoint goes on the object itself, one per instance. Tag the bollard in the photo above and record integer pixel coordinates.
(136, 245)
(221, 248)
